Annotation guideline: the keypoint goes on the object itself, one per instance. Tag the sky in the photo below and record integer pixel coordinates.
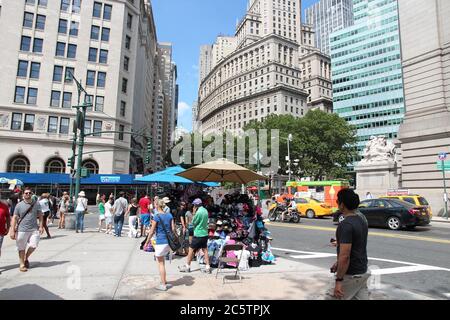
(188, 24)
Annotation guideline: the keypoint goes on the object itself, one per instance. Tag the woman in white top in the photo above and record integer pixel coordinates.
(80, 210)
(63, 208)
(108, 215)
(45, 208)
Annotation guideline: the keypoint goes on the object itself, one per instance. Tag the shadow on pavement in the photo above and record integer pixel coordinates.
(53, 237)
(184, 281)
(28, 292)
(33, 265)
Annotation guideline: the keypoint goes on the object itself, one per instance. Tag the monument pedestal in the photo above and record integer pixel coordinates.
(376, 178)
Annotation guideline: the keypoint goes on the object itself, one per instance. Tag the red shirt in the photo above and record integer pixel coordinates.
(4, 213)
(143, 204)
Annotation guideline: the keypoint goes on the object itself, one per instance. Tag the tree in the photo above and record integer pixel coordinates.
(322, 142)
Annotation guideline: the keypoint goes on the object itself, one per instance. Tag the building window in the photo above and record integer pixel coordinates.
(29, 122)
(99, 102)
(19, 164)
(60, 49)
(103, 57)
(35, 70)
(74, 26)
(40, 22)
(97, 128)
(67, 99)
(95, 32)
(127, 42)
(97, 10)
(55, 165)
(37, 45)
(16, 123)
(87, 126)
(25, 43)
(121, 130)
(123, 106)
(90, 78)
(28, 20)
(62, 26)
(64, 126)
(91, 166)
(72, 51)
(126, 62)
(32, 96)
(105, 34)
(107, 9)
(101, 79)
(65, 4)
(42, 3)
(93, 54)
(22, 69)
(124, 85)
(68, 77)
(76, 6)
(55, 98)
(52, 125)
(19, 96)
(88, 98)
(30, 2)
(57, 73)
(129, 21)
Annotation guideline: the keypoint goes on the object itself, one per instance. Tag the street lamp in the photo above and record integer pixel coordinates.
(80, 125)
(289, 155)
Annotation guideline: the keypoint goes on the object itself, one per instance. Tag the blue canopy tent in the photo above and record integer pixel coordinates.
(168, 175)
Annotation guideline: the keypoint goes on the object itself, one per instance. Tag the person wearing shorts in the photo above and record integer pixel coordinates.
(28, 231)
(162, 247)
(144, 209)
(200, 239)
(101, 212)
(5, 222)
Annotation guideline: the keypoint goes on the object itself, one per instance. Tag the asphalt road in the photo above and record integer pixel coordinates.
(417, 260)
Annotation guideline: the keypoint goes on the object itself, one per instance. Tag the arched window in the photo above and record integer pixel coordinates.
(19, 164)
(55, 165)
(91, 166)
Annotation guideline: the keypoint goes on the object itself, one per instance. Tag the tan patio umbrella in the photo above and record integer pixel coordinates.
(221, 170)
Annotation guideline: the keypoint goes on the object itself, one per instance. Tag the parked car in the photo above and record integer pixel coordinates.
(391, 213)
(413, 199)
(312, 208)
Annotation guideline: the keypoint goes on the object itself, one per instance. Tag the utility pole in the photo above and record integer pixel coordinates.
(289, 155)
(442, 157)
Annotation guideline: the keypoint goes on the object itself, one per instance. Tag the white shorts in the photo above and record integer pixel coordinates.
(29, 237)
(161, 250)
(101, 217)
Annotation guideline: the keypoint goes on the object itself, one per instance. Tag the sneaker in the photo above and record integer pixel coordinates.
(161, 287)
(206, 270)
(168, 286)
(184, 269)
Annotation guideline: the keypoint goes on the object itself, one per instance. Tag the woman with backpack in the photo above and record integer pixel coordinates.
(162, 224)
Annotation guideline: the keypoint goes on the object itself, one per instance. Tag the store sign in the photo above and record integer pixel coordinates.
(112, 179)
(398, 192)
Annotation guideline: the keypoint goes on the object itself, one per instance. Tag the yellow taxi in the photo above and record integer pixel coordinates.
(412, 198)
(312, 208)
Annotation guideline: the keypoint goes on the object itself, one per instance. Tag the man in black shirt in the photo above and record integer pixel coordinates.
(351, 266)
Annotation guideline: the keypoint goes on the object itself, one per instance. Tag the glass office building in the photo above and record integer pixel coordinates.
(367, 71)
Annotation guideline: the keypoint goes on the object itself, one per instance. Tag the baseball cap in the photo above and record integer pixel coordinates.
(197, 202)
(166, 200)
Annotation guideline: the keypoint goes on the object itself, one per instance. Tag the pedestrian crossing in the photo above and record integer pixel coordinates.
(406, 267)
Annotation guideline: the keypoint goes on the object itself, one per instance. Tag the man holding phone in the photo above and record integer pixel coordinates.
(25, 229)
(351, 266)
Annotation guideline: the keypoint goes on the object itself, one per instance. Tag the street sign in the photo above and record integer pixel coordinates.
(446, 165)
(442, 156)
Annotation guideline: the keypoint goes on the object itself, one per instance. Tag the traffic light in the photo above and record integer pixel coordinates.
(148, 157)
(71, 162)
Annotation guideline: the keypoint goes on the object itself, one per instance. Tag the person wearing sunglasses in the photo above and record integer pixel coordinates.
(25, 229)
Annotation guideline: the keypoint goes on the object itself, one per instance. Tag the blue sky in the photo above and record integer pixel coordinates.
(188, 24)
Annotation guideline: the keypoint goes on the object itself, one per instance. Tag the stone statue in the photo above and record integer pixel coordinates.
(378, 149)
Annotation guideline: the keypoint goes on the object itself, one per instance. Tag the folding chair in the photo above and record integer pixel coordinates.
(223, 259)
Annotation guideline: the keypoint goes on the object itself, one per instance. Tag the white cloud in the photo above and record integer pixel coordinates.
(183, 107)
(184, 115)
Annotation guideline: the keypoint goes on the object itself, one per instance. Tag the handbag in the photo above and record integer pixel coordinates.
(16, 229)
(174, 243)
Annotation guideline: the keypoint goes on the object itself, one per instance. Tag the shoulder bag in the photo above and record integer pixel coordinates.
(16, 229)
(174, 243)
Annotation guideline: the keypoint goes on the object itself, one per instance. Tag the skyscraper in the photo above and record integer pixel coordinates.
(367, 71)
(326, 17)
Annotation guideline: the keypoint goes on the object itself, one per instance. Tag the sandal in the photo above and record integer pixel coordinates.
(23, 269)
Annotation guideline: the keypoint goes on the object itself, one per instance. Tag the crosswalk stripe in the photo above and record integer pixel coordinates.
(406, 269)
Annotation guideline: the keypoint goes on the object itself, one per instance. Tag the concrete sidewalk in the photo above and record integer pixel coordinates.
(94, 265)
